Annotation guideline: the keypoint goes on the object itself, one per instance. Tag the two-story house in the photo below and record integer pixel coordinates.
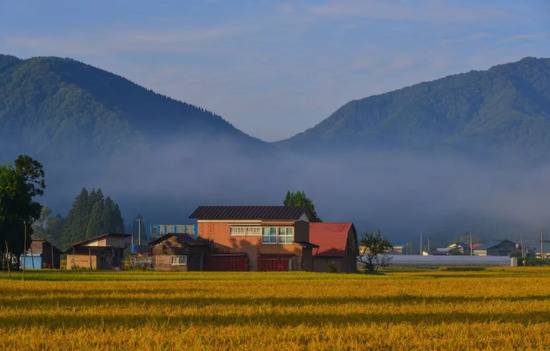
(268, 237)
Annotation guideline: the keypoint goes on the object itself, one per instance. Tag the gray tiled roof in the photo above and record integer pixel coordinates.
(248, 212)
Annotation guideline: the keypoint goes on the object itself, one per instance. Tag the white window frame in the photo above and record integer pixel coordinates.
(273, 236)
(245, 230)
(288, 238)
(178, 260)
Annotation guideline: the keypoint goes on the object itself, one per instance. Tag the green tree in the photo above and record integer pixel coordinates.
(112, 217)
(299, 199)
(20, 182)
(91, 215)
(372, 250)
(95, 215)
(76, 222)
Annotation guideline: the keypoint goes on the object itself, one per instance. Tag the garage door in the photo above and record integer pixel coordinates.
(227, 262)
(274, 263)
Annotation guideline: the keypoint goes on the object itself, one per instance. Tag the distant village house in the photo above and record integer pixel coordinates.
(497, 248)
(102, 252)
(178, 252)
(41, 254)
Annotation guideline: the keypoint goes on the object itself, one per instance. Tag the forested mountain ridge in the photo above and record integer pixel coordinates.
(503, 109)
(53, 106)
(62, 108)
(160, 157)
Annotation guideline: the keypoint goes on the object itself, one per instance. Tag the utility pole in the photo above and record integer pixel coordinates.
(521, 245)
(420, 244)
(541, 246)
(9, 259)
(24, 249)
(139, 231)
(471, 245)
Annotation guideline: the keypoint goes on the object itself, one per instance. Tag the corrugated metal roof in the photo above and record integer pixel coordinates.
(331, 238)
(248, 212)
(493, 244)
(105, 235)
(185, 238)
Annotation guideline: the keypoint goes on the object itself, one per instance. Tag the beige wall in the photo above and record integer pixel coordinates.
(104, 260)
(164, 263)
(81, 262)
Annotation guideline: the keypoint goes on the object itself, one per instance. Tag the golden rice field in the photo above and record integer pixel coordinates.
(497, 309)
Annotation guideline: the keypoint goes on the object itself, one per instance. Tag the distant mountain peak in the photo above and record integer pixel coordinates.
(7, 60)
(503, 109)
(53, 105)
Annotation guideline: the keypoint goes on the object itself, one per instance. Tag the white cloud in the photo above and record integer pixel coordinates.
(109, 43)
(426, 11)
(526, 37)
(466, 39)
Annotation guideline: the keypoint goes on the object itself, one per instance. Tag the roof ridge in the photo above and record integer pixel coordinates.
(248, 212)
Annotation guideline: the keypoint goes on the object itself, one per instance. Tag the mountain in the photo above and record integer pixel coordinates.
(62, 109)
(503, 110)
(160, 158)
(55, 108)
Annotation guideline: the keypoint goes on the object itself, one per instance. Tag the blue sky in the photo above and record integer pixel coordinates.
(275, 68)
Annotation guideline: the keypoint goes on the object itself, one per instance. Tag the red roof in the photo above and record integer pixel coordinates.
(331, 238)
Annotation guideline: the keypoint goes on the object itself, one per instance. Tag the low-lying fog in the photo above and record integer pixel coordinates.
(401, 194)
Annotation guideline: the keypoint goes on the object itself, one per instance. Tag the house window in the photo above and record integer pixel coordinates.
(243, 230)
(281, 235)
(179, 260)
(286, 235)
(269, 235)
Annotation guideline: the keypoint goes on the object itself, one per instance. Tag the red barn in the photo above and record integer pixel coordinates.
(337, 249)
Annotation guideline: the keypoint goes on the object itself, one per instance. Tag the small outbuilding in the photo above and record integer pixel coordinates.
(178, 252)
(105, 251)
(41, 254)
(498, 248)
(337, 247)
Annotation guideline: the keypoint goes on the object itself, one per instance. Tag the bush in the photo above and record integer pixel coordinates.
(534, 261)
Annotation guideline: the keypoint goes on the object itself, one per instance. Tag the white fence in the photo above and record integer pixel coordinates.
(434, 261)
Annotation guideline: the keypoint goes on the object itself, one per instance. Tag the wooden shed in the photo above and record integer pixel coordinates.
(102, 252)
(178, 252)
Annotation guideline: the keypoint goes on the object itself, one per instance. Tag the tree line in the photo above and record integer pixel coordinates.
(90, 215)
(21, 216)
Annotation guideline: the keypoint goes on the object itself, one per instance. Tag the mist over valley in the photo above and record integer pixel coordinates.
(466, 153)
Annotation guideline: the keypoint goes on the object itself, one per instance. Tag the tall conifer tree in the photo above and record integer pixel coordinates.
(92, 214)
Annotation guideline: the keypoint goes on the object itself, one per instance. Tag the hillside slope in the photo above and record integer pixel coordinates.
(61, 108)
(503, 109)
